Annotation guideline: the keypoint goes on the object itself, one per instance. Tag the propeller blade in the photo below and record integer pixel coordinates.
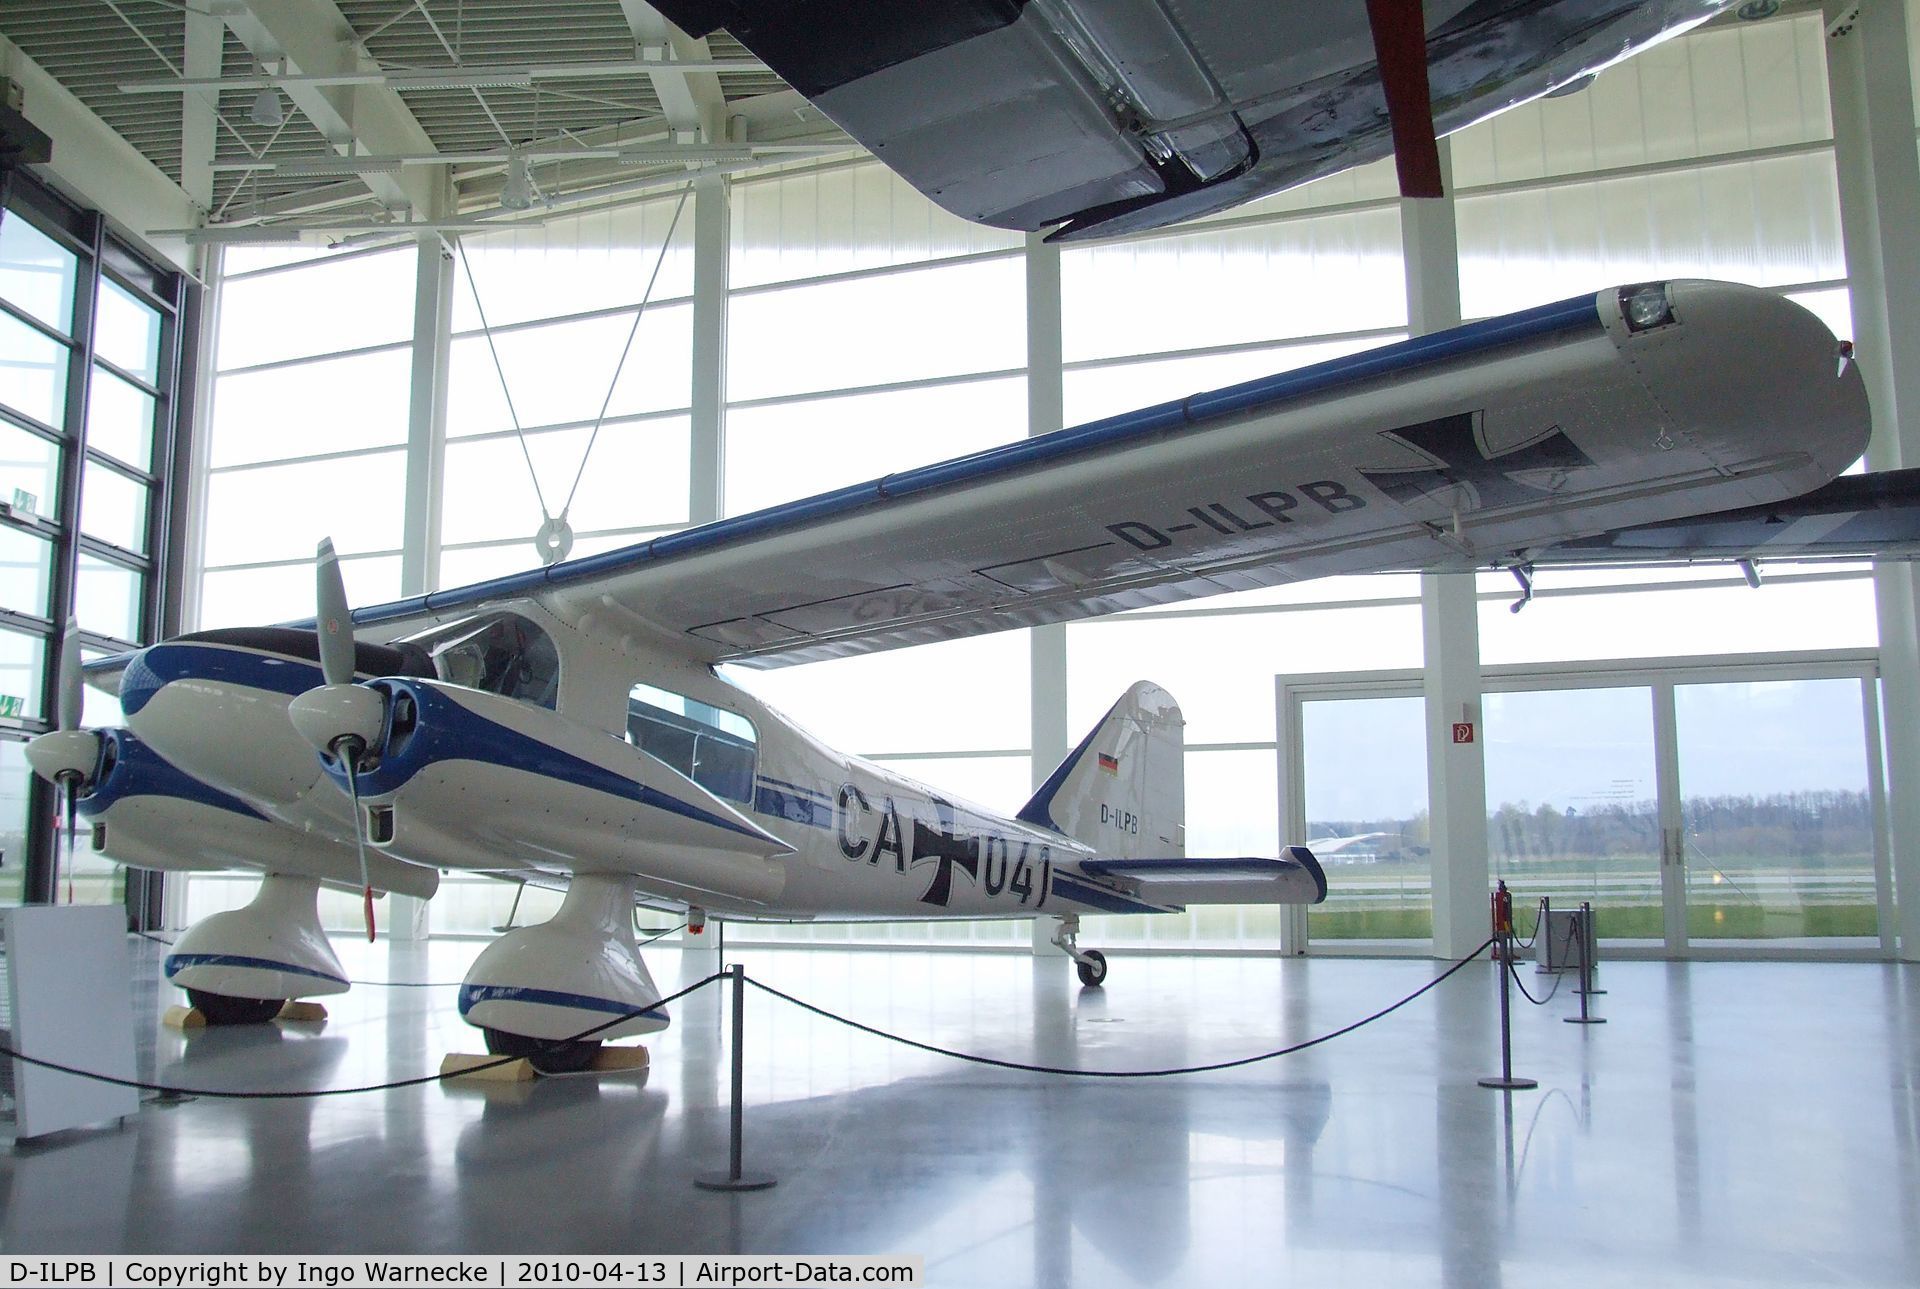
(360, 846)
(72, 802)
(71, 697)
(1400, 47)
(332, 619)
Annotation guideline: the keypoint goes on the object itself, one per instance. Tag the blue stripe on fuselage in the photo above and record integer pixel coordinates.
(448, 731)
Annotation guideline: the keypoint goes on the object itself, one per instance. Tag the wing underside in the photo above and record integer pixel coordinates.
(1467, 449)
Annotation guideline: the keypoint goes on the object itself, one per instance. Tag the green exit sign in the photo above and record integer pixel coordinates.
(10, 705)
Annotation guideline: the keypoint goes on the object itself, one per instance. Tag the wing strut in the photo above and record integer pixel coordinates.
(1400, 46)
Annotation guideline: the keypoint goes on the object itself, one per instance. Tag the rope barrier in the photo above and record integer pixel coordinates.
(1123, 1074)
(1537, 1002)
(309, 1093)
(973, 1058)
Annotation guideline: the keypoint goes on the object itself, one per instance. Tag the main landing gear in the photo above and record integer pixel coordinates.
(1090, 963)
(537, 991)
(242, 966)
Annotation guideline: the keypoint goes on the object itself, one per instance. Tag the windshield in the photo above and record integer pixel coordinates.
(507, 655)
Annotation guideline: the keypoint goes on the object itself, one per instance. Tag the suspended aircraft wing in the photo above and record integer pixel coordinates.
(1103, 117)
(1857, 516)
(1465, 449)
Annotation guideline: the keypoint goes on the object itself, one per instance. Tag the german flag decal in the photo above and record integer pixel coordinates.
(1111, 764)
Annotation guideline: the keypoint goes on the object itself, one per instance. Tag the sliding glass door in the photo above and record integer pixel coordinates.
(1698, 806)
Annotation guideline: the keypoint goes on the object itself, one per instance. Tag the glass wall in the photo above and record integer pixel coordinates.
(89, 338)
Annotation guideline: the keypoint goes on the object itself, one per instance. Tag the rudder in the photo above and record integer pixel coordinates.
(1123, 790)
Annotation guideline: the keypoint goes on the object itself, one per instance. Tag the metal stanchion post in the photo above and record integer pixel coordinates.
(1592, 946)
(1503, 947)
(734, 1179)
(1586, 970)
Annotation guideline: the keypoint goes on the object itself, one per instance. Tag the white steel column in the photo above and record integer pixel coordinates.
(706, 472)
(1869, 81)
(409, 918)
(1046, 412)
(204, 42)
(1450, 627)
(427, 416)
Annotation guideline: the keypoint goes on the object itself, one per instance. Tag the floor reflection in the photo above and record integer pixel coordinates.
(1754, 1123)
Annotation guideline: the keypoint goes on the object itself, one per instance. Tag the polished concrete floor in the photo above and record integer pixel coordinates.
(1733, 1124)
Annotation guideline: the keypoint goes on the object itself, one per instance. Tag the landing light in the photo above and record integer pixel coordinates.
(1645, 307)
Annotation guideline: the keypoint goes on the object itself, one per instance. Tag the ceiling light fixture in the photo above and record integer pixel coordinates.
(267, 111)
(517, 192)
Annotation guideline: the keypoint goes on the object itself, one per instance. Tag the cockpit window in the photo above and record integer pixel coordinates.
(505, 654)
(710, 745)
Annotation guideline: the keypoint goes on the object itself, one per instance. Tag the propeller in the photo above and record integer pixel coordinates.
(1400, 48)
(67, 757)
(340, 718)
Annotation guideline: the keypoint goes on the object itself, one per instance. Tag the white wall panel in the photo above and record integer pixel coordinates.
(1219, 286)
(931, 322)
(843, 218)
(577, 264)
(279, 512)
(349, 302)
(636, 475)
(327, 405)
(1767, 222)
(782, 451)
(558, 373)
(1756, 85)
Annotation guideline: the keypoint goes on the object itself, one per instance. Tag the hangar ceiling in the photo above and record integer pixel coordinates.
(431, 99)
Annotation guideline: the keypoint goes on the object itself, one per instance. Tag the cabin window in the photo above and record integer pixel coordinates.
(505, 654)
(710, 745)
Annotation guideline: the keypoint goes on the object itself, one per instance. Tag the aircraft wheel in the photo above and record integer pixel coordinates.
(1092, 968)
(544, 1055)
(226, 1009)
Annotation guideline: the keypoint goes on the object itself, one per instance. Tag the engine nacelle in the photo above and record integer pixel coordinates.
(215, 703)
(148, 813)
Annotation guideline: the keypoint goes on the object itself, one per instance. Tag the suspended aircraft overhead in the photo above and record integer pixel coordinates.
(1095, 118)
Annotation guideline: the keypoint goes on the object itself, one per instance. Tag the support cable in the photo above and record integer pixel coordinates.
(645, 299)
(460, 245)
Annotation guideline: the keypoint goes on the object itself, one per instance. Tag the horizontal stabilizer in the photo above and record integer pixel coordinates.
(1294, 878)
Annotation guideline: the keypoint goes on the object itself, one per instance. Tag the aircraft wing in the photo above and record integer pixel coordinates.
(1857, 516)
(1294, 878)
(1459, 450)
(1112, 116)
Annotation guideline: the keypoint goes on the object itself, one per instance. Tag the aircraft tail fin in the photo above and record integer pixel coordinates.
(1123, 790)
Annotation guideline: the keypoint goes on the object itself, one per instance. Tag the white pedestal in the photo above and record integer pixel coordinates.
(70, 984)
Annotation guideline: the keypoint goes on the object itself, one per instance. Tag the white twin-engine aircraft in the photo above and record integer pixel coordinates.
(568, 724)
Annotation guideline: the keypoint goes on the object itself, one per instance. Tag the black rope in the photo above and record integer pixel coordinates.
(168, 1090)
(1538, 920)
(1537, 1002)
(1121, 1074)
